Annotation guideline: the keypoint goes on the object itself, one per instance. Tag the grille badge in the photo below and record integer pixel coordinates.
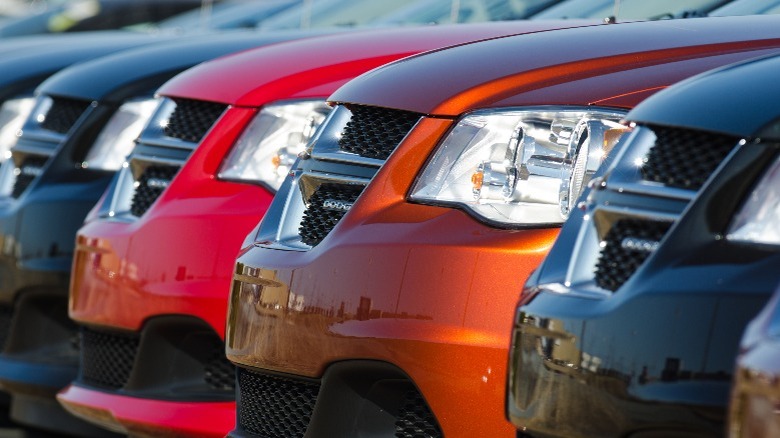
(33, 171)
(337, 205)
(157, 183)
(636, 244)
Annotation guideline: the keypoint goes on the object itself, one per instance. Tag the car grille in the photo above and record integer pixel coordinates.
(107, 358)
(375, 132)
(31, 168)
(350, 149)
(415, 419)
(63, 114)
(273, 406)
(319, 218)
(192, 119)
(642, 207)
(684, 158)
(219, 373)
(626, 246)
(149, 186)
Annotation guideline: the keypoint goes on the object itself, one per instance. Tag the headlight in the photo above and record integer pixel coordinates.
(13, 113)
(758, 221)
(270, 144)
(519, 167)
(117, 138)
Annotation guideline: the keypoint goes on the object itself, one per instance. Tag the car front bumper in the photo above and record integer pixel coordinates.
(426, 289)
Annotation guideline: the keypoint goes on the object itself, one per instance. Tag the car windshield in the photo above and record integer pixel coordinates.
(747, 7)
(627, 9)
(464, 11)
(226, 15)
(329, 13)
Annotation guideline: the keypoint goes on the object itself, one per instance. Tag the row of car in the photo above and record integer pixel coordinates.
(399, 200)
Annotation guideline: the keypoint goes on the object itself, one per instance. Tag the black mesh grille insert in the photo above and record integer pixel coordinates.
(63, 114)
(219, 373)
(415, 419)
(192, 119)
(274, 407)
(626, 246)
(684, 158)
(106, 358)
(31, 168)
(374, 132)
(6, 315)
(149, 186)
(325, 209)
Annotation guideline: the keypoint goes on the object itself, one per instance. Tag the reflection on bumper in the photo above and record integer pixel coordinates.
(145, 417)
(600, 369)
(439, 312)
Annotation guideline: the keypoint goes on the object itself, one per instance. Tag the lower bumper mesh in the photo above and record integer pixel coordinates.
(107, 358)
(274, 407)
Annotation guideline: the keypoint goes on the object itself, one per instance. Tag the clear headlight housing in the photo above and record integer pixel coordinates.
(117, 138)
(519, 167)
(758, 220)
(13, 113)
(267, 149)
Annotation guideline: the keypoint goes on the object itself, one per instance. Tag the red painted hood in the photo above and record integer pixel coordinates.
(315, 67)
(615, 65)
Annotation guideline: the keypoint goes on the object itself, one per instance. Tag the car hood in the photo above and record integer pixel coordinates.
(311, 67)
(560, 67)
(26, 61)
(739, 100)
(115, 77)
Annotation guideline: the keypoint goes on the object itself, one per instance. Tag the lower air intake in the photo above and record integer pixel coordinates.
(107, 358)
(6, 316)
(415, 419)
(274, 407)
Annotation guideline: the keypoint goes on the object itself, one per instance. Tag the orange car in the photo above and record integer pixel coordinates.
(377, 294)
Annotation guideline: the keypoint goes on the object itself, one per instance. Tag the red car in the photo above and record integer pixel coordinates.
(385, 273)
(154, 259)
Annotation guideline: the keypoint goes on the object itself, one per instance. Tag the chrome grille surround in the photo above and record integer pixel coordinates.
(627, 217)
(158, 156)
(327, 166)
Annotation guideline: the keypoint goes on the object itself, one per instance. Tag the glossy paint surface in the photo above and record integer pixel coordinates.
(522, 70)
(23, 59)
(199, 221)
(421, 287)
(430, 289)
(254, 81)
(109, 77)
(656, 352)
(141, 417)
(178, 257)
(690, 103)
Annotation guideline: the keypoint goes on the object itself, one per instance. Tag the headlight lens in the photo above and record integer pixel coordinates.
(13, 113)
(519, 167)
(758, 221)
(270, 144)
(117, 138)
